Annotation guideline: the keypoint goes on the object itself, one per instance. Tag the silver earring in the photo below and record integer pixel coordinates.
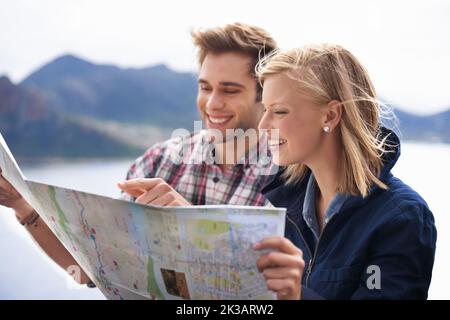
(326, 129)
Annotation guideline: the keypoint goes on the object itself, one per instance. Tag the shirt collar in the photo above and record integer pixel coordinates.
(309, 206)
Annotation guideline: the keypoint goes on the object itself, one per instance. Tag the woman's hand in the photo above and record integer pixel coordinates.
(282, 268)
(154, 191)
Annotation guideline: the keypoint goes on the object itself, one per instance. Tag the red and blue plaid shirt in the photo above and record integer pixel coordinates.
(184, 164)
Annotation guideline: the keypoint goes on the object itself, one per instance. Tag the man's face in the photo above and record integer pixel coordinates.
(227, 93)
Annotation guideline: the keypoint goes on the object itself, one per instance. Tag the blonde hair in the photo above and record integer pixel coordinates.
(329, 72)
(237, 37)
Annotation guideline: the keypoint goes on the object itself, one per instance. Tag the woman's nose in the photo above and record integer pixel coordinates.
(264, 123)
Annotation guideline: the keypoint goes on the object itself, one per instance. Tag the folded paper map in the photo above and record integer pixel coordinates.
(132, 251)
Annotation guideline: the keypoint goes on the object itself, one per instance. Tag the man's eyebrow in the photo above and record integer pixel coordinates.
(224, 83)
(232, 84)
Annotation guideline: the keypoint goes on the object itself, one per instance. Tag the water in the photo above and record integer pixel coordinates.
(425, 167)
(27, 273)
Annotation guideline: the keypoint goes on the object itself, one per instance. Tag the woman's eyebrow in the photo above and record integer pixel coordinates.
(271, 105)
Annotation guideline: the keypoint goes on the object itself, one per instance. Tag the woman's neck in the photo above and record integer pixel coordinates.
(326, 168)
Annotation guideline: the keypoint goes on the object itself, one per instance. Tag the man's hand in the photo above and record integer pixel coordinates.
(282, 269)
(9, 197)
(154, 191)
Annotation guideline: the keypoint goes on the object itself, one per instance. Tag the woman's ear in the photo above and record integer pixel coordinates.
(333, 114)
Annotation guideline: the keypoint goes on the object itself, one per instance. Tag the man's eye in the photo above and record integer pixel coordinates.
(231, 91)
(205, 88)
(280, 112)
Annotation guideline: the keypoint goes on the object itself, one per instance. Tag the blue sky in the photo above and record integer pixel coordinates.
(404, 44)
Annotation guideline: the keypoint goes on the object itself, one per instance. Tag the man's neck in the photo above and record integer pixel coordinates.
(228, 153)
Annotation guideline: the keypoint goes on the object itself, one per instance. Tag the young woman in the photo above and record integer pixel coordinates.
(353, 230)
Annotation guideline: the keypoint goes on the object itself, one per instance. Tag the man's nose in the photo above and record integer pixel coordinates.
(214, 102)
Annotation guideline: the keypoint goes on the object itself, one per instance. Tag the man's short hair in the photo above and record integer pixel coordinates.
(236, 37)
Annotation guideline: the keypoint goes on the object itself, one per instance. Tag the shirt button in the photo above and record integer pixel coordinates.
(216, 179)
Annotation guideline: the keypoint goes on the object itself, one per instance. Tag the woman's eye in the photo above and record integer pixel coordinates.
(280, 112)
(205, 89)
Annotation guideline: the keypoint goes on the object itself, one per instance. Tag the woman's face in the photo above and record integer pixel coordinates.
(299, 122)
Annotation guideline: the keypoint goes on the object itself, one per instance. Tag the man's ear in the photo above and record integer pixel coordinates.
(333, 114)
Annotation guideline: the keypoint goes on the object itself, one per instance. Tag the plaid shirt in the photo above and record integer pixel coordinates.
(184, 164)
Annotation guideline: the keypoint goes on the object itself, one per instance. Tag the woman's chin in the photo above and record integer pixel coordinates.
(279, 161)
(283, 161)
(280, 157)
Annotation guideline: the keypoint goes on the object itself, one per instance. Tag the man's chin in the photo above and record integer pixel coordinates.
(214, 135)
(221, 135)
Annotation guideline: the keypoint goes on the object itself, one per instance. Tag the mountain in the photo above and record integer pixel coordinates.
(154, 95)
(158, 96)
(32, 130)
(71, 107)
(432, 128)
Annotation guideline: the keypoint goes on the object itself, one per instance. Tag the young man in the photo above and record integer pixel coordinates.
(228, 101)
(176, 171)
